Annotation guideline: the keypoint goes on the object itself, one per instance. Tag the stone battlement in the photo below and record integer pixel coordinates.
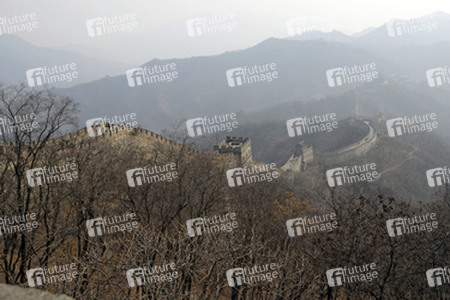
(356, 149)
(81, 139)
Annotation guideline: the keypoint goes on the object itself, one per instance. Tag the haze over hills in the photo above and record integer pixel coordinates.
(301, 89)
(18, 56)
(285, 150)
(394, 157)
(202, 84)
(140, 47)
(201, 87)
(437, 30)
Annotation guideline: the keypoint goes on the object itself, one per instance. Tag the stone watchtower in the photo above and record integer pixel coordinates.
(239, 147)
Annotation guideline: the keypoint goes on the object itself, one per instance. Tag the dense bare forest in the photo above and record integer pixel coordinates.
(179, 266)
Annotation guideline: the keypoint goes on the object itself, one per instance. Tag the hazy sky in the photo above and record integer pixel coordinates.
(59, 20)
(63, 23)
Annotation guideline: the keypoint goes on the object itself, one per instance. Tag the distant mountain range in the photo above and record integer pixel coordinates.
(211, 85)
(18, 56)
(201, 87)
(171, 40)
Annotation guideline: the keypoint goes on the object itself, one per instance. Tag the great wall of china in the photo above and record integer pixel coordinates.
(80, 139)
(356, 149)
(233, 148)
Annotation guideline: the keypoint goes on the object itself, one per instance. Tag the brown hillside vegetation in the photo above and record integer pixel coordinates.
(200, 189)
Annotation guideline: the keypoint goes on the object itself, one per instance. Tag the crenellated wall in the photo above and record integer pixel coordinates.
(239, 156)
(81, 139)
(354, 150)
